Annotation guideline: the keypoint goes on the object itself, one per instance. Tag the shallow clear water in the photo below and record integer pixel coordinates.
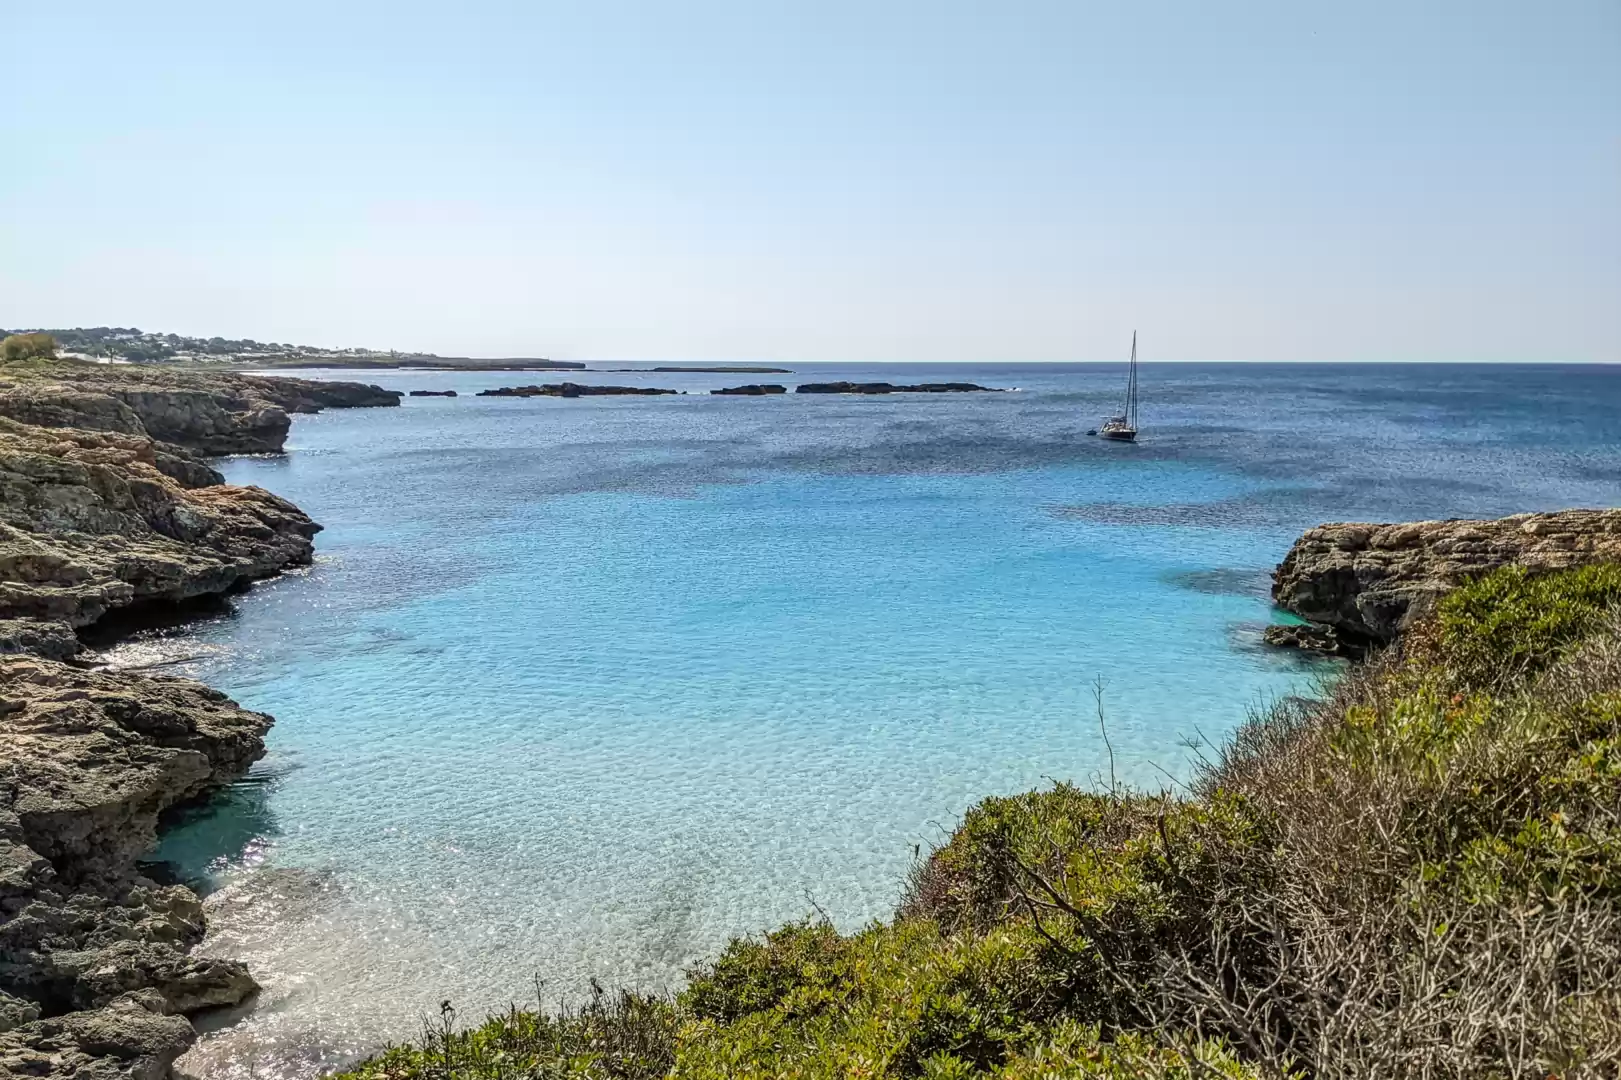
(582, 688)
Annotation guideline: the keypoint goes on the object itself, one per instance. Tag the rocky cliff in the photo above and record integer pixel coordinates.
(107, 501)
(186, 412)
(1360, 584)
(90, 522)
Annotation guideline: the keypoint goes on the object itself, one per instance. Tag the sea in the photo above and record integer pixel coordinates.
(579, 689)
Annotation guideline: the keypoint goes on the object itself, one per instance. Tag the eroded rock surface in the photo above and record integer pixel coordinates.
(131, 1039)
(88, 760)
(1364, 583)
(193, 412)
(89, 522)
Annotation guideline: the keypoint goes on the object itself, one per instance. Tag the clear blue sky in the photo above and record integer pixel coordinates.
(823, 180)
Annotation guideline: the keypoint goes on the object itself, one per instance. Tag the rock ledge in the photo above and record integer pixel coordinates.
(1361, 584)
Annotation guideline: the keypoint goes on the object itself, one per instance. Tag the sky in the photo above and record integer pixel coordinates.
(872, 181)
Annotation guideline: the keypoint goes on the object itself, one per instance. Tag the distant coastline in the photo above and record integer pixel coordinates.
(430, 363)
(132, 345)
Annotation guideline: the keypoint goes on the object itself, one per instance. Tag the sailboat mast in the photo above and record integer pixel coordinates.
(1131, 385)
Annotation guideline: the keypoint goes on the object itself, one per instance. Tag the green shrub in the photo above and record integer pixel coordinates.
(804, 960)
(1079, 1052)
(902, 999)
(1512, 622)
(20, 347)
(611, 1037)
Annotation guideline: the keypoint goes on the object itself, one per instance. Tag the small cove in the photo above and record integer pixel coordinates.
(580, 689)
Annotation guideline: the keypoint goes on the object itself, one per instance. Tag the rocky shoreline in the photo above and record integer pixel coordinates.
(108, 504)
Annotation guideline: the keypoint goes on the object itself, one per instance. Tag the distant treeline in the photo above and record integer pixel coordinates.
(141, 346)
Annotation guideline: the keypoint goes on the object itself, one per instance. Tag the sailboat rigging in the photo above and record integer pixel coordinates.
(1123, 428)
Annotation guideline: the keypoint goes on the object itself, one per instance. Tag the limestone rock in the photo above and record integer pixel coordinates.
(88, 523)
(88, 761)
(52, 640)
(207, 412)
(1366, 582)
(313, 395)
(185, 467)
(16, 1011)
(130, 1039)
(1310, 638)
(199, 419)
(89, 758)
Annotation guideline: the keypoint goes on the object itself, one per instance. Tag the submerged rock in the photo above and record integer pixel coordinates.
(433, 393)
(1310, 638)
(572, 390)
(892, 388)
(1362, 584)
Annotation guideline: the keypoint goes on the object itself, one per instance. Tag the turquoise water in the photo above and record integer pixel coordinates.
(582, 688)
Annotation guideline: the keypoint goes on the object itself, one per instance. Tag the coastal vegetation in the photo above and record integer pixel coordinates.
(1414, 873)
(136, 346)
(15, 348)
(131, 345)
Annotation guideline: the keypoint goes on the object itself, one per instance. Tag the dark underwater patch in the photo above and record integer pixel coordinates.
(1238, 513)
(1224, 581)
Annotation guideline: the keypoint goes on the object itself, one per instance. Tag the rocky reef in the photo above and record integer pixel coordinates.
(1359, 584)
(892, 388)
(433, 393)
(107, 502)
(753, 390)
(574, 390)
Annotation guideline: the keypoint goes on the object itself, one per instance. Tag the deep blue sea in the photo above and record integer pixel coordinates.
(581, 688)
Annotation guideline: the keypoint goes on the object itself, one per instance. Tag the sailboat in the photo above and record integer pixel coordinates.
(1123, 428)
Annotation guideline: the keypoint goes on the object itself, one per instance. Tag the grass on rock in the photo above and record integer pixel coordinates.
(1415, 876)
